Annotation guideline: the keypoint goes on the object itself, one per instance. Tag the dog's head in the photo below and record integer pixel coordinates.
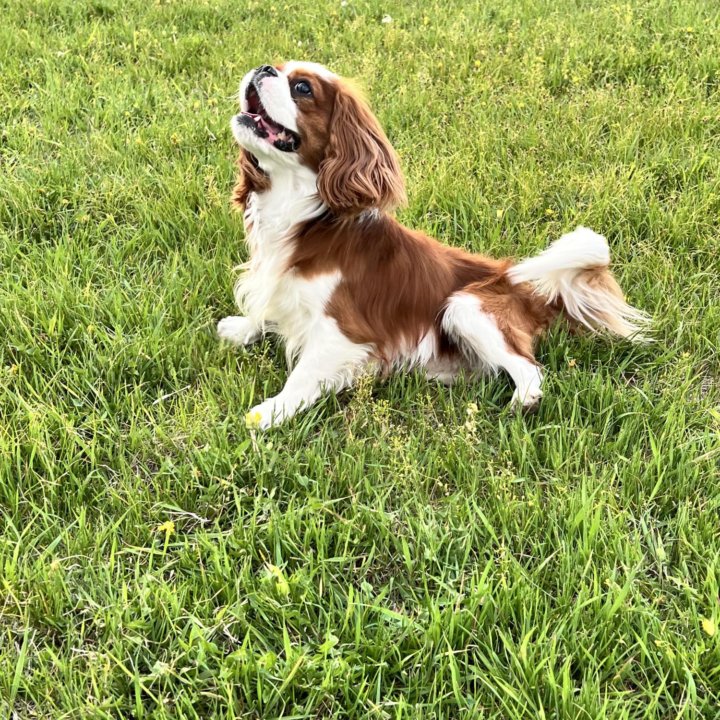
(300, 116)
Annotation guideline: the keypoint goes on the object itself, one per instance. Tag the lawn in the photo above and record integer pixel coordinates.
(405, 550)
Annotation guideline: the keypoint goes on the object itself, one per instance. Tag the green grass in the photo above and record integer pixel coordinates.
(392, 553)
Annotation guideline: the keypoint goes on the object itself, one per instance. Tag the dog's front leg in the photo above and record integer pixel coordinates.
(239, 330)
(328, 362)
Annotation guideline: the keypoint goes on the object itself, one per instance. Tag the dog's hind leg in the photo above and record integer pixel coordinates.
(480, 339)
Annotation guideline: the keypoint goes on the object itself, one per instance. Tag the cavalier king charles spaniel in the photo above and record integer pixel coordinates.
(352, 291)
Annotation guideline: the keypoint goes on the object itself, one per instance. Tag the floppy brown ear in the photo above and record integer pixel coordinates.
(251, 178)
(360, 169)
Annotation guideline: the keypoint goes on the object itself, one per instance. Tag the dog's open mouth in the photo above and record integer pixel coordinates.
(257, 119)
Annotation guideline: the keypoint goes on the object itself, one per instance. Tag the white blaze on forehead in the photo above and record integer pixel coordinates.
(274, 93)
(311, 67)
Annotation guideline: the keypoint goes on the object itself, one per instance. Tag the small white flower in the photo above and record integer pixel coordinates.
(386, 20)
(343, 3)
(299, 43)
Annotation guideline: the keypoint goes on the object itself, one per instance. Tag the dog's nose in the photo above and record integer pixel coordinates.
(266, 70)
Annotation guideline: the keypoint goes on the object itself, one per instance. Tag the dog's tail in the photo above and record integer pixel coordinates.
(574, 271)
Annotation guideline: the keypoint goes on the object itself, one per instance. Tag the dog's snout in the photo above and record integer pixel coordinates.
(266, 70)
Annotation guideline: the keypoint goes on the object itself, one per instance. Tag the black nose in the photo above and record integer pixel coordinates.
(266, 70)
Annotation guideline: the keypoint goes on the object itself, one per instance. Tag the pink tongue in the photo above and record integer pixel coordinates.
(273, 131)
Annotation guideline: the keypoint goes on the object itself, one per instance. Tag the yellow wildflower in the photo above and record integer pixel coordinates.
(708, 625)
(252, 419)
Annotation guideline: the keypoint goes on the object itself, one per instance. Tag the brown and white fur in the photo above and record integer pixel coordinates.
(352, 291)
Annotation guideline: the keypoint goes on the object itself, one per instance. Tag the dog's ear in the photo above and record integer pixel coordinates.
(251, 178)
(360, 169)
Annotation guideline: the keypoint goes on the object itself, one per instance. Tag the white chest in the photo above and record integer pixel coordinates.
(275, 297)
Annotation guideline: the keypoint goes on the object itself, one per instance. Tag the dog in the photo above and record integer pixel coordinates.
(352, 291)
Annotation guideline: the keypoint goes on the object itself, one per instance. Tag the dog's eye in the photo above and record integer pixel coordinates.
(302, 87)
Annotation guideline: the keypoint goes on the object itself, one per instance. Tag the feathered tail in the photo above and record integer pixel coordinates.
(574, 269)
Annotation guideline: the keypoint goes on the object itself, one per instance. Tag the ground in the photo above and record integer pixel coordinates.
(406, 550)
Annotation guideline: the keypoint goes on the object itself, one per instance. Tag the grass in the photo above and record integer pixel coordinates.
(404, 551)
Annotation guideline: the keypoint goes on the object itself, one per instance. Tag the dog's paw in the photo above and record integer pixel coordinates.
(238, 330)
(266, 415)
(528, 402)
